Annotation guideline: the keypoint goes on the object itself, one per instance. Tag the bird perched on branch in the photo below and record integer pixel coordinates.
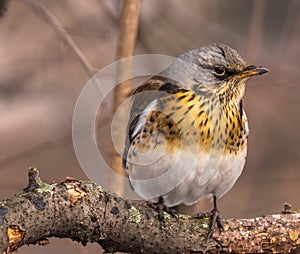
(187, 135)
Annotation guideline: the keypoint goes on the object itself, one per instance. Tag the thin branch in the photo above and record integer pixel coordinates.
(125, 48)
(289, 30)
(3, 7)
(128, 28)
(106, 5)
(256, 28)
(46, 145)
(84, 212)
(43, 11)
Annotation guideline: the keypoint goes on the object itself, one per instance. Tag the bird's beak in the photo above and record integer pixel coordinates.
(252, 70)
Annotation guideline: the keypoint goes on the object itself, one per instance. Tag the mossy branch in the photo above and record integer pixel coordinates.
(84, 212)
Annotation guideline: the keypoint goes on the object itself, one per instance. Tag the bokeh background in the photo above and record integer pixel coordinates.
(41, 79)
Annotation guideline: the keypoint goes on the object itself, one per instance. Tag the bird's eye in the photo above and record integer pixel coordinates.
(219, 71)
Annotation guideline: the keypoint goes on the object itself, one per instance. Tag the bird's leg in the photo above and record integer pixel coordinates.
(214, 218)
(161, 208)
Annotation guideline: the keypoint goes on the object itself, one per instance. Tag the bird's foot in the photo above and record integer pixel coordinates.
(161, 209)
(214, 218)
(201, 216)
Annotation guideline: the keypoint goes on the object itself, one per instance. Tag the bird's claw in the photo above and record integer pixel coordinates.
(214, 218)
(161, 208)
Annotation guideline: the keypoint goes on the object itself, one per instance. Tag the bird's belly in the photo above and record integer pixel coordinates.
(185, 177)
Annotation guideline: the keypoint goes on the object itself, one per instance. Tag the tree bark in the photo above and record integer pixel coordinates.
(84, 212)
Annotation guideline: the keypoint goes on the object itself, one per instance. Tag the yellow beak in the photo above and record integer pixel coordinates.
(252, 70)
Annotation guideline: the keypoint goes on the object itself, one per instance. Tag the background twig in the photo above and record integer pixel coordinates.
(256, 28)
(125, 48)
(44, 12)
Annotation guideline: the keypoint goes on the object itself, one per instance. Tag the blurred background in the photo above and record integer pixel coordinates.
(41, 79)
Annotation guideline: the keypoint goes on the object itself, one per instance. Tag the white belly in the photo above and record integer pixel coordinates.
(184, 177)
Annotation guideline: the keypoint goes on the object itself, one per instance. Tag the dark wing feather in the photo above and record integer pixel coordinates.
(138, 105)
(140, 102)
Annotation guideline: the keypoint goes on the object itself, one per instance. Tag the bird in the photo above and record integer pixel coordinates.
(187, 134)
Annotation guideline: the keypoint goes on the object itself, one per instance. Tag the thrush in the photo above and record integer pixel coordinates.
(187, 134)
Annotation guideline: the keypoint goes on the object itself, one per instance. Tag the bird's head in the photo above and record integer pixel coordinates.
(216, 68)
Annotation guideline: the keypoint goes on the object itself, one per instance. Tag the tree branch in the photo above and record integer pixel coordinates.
(84, 212)
(128, 28)
(3, 7)
(256, 29)
(58, 27)
(125, 48)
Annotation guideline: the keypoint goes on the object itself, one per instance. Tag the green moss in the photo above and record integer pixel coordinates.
(205, 225)
(99, 188)
(44, 187)
(184, 216)
(167, 215)
(134, 215)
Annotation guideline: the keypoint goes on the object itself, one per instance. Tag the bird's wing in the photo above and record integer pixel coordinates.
(144, 99)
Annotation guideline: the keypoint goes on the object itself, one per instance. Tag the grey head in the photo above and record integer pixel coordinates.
(211, 66)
